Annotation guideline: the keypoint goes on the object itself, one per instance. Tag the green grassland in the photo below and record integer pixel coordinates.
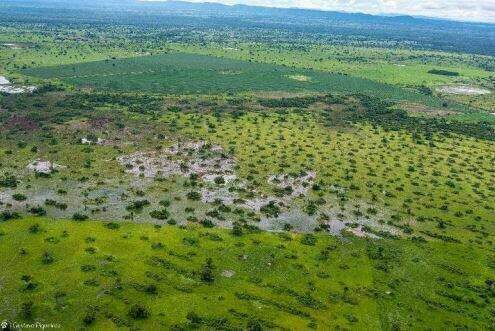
(403, 67)
(96, 274)
(399, 67)
(181, 73)
(108, 241)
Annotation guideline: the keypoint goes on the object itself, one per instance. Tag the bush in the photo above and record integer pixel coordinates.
(139, 312)
(88, 268)
(151, 289)
(308, 239)
(160, 214)
(9, 181)
(79, 217)
(19, 197)
(138, 205)
(194, 318)
(193, 195)
(164, 203)
(207, 271)
(219, 180)
(112, 226)
(38, 211)
(271, 209)
(442, 72)
(47, 258)
(254, 325)
(207, 223)
(237, 229)
(27, 310)
(35, 228)
(8, 215)
(90, 317)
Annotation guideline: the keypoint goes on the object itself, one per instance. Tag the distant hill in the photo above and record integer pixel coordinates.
(437, 34)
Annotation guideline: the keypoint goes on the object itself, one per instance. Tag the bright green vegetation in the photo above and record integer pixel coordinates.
(401, 67)
(180, 73)
(108, 275)
(164, 177)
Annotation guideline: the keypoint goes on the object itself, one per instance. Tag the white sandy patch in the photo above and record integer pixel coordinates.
(11, 45)
(45, 167)
(4, 81)
(86, 141)
(300, 184)
(228, 273)
(357, 227)
(209, 162)
(463, 90)
(300, 78)
(17, 90)
(359, 232)
(181, 159)
(6, 87)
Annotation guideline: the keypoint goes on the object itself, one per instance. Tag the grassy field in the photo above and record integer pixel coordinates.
(111, 276)
(164, 178)
(402, 67)
(181, 73)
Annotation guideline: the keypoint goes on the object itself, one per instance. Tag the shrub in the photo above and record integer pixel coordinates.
(160, 214)
(271, 209)
(139, 312)
(308, 239)
(194, 318)
(254, 325)
(8, 215)
(112, 226)
(35, 228)
(442, 72)
(9, 181)
(47, 258)
(164, 203)
(219, 180)
(194, 196)
(207, 223)
(151, 289)
(87, 268)
(38, 211)
(138, 205)
(19, 197)
(79, 217)
(237, 229)
(27, 310)
(207, 271)
(90, 317)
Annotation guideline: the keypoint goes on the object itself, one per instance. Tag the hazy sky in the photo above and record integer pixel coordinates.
(470, 10)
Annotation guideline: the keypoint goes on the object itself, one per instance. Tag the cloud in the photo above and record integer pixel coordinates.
(468, 10)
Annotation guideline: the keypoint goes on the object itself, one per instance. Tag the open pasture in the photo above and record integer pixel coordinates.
(112, 276)
(182, 73)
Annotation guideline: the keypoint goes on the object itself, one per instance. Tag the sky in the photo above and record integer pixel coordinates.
(464, 10)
